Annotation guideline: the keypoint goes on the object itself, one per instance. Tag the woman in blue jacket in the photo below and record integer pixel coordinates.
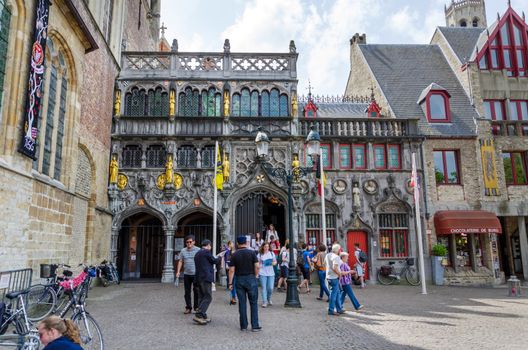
(58, 334)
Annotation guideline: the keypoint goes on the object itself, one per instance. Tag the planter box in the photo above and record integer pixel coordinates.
(437, 270)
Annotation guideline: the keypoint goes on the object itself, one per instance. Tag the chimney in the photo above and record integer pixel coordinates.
(358, 39)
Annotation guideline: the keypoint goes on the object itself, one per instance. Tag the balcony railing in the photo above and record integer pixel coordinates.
(364, 127)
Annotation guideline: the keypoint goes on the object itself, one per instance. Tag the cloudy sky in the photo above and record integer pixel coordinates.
(321, 29)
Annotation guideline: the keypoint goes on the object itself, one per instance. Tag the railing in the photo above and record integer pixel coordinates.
(14, 280)
(358, 127)
(509, 127)
(276, 126)
(461, 3)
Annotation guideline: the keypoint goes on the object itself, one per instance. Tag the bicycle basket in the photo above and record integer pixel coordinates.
(410, 261)
(386, 270)
(48, 270)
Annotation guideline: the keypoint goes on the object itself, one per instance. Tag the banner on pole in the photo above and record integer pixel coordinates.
(36, 75)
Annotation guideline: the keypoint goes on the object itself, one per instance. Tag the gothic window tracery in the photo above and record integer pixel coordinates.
(187, 157)
(208, 157)
(266, 104)
(156, 156)
(132, 156)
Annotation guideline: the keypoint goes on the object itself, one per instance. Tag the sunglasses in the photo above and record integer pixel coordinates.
(189, 242)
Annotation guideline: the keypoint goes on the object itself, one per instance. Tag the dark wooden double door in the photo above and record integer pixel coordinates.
(257, 210)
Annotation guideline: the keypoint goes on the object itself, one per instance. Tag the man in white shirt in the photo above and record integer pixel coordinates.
(333, 272)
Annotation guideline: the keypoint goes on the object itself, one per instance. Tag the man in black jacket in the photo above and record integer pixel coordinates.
(204, 261)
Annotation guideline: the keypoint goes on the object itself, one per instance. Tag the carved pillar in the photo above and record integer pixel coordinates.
(168, 267)
(113, 244)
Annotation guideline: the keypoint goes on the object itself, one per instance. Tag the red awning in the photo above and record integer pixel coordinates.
(466, 221)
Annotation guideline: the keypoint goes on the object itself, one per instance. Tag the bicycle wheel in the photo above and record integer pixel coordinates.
(91, 336)
(385, 280)
(41, 301)
(412, 276)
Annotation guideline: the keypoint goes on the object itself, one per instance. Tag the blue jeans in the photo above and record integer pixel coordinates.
(335, 296)
(247, 287)
(347, 290)
(322, 281)
(232, 293)
(266, 282)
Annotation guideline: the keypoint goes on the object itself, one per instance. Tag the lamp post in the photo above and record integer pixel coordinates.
(289, 177)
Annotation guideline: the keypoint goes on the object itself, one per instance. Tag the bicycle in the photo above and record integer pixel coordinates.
(387, 274)
(107, 273)
(77, 289)
(25, 336)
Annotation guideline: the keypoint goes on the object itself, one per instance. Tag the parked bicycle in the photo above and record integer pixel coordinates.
(388, 274)
(16, 330)
(107, 273)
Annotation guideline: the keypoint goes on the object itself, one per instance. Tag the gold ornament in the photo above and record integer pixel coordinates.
(117, 104)
(172, 103)
(169, 172)
(122, 181)
(225, 167)
(178, 181)
(160, 181)
(226, 103)
(294, 105)
(114, 169)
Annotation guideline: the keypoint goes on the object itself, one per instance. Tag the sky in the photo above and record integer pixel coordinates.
(321, 29)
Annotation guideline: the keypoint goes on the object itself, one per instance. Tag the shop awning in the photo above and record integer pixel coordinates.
(449, 222)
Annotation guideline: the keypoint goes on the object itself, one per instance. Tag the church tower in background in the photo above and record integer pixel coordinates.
(466, 13)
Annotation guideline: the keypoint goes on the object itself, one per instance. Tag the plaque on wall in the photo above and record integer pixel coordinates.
(339, 186)
(370, 186)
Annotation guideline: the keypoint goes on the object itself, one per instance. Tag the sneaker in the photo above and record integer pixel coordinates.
(330, 313)
(199, 320)
(341, 312)
(243, 329)
(256, 329)
(318, 298)
(359, 307)
(187, 311)
(264, 305)
(208, 320)
(270, 303)
(233, 301)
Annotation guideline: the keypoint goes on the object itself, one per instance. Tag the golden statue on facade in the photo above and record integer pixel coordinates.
(169, 172)
(114, 169)
(226, 103)
(294, 105)
(178, 181)
(172, 103)
(225, 168)
(117, 104)
(296, 164)
(160, 181)
(122, 181)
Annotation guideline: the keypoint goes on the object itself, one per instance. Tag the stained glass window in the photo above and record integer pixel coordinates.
(274, 103)
(181, 104)
(60, 129)
(235, 109)
(211, 103)
(265, 98)
(5, 18)
(164, 103)
(254, 103)
(394, 157)
(137, 108)
(283, 106)
(327, 160)
(46, 161)
(203, 105)
(195, 104)
(245, 106)
(218, 104)
(156, 102)
(379, 157)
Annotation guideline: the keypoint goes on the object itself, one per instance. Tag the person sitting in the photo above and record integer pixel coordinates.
(59, 334)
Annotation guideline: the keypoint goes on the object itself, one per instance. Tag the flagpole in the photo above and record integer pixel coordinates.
(215, 196)
(323, 209)
(418, 222)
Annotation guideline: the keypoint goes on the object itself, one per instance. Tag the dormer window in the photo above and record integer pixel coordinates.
(436, 109)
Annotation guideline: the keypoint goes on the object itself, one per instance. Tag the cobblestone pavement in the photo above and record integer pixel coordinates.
(150, 316)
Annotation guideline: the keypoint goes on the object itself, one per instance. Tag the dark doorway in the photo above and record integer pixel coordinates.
(141, 247)
(200, 225)
(257, 209)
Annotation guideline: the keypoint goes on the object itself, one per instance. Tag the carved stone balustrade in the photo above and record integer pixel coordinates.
(273, 126)
(359, 127)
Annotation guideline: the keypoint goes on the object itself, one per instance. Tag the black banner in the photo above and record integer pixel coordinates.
(36, 75)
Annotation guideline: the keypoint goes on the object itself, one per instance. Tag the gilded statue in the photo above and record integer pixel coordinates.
(294, 105)
(169, 172)
(296, 168)
(225, 167)
(172, 103)
(114, 169)
(160, 181)
(122, 181)
(295, 161)
(117, 104)
(226, 103)
(178, 181)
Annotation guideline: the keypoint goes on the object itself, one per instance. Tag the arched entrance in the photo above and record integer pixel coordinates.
(198, 224)
(257, 209)
(141, 247)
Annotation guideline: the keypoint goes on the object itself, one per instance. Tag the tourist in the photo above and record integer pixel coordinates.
(305, 268)
(274, 245)
(267, 261)
(244, 265)
(333, 272)
(257, 242)
(320, 265)
(360, 266)
(187, 259)
(59, 334)
(285, 266)
(345, 282)
(205, 262)
(227, 258)
(271, 232)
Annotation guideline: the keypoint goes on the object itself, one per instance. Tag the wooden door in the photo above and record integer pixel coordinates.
(360, 237)
(151, 248)
(249, 215)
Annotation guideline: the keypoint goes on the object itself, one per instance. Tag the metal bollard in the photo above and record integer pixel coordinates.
(514, 287)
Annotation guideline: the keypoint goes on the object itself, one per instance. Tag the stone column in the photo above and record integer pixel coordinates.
(524, 245)
(168, 268)
(113, 244)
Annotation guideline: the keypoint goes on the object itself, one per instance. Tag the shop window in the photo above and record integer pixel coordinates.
(444, 240)
(462, 250)
(314, 229)
(393, 235)
(446, 167)
(514, 168)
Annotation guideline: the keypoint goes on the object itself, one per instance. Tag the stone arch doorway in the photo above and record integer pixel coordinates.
(256, 209)
(141, 245)
(198, 224)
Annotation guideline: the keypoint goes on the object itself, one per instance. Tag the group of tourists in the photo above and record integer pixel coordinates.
(262, 260)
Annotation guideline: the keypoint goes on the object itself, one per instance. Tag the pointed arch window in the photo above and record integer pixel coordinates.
(245, 104)
(283, 105)
(49, 149)
(135, 102)
(274, 103)
(265, 98)
(236, 105)
(158, 102)
(5, 18)
(254, 112)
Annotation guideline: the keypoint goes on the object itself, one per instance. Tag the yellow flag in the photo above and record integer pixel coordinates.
(219, 178)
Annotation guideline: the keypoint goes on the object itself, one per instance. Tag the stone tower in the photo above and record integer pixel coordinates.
(466, 13)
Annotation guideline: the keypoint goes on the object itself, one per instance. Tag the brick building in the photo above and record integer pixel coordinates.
(54, 168)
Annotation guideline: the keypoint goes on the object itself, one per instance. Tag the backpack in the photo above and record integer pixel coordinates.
(362, 257)
(300, 258)
(320, 262)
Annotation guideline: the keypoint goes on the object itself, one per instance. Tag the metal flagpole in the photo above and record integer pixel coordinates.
(215, 196)
(418, 222)
(323, 209)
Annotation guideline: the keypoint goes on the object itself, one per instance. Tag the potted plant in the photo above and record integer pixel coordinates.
(438, 253)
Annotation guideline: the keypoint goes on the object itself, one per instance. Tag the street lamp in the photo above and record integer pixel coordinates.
(313, 143)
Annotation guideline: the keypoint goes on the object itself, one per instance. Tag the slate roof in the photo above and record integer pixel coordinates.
(462, 40)
(404, 71)
(339, 110)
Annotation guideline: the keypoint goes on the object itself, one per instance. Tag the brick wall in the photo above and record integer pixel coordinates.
(137, 33)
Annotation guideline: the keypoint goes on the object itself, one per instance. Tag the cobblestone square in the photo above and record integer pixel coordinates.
(150, 316)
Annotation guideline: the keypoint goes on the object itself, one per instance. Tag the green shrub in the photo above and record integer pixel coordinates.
(439, 250)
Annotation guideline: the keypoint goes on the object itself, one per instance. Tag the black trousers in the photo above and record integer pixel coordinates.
(188, 283)
(206, 296)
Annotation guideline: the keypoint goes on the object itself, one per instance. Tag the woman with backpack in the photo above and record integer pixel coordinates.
(319, 263)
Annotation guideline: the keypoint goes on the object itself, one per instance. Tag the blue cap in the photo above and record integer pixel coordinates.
(241, 239)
